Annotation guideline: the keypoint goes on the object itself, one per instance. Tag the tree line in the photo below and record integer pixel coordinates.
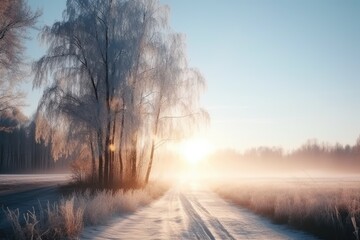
(313, 155)
(20, 152)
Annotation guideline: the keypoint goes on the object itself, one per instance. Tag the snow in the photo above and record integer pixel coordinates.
(11, 183)
(25, 191)
(191, 211)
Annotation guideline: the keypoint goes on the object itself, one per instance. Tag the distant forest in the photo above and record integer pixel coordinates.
(311, 156)
(19, 150)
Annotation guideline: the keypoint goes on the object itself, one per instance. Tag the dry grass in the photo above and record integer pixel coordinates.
(65, 220)
(330, 210)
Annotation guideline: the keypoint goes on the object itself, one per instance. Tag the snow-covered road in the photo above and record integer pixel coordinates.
(191, 212)
(25, 191)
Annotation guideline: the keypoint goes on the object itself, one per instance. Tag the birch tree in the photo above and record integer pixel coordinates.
(116, 70)
(92, 50)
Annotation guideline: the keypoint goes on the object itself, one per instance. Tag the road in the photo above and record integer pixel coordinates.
(25, 191)
(191, 212)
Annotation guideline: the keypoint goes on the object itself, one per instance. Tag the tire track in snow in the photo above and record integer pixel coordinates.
(174, 220)
(213, 221)
(197, 224)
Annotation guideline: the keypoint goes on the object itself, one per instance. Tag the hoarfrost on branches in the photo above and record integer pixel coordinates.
(120, 85)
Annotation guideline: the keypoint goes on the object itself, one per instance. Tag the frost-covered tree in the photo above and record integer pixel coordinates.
(92, 50)
(117, 70)
(176, 89)
(15, 18)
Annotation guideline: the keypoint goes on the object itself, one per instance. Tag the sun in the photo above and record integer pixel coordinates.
(194, 150)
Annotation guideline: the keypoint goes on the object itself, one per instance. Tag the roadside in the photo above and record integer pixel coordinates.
(25, 191)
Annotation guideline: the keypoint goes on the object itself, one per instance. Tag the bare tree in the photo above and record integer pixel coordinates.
(15, 18)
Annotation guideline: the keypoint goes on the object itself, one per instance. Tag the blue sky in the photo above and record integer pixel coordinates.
(278, 72)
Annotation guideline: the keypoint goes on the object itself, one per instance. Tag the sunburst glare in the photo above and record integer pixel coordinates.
(195, 150)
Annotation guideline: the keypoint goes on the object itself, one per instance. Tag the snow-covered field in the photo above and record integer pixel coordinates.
(327, 207)
(191, 212)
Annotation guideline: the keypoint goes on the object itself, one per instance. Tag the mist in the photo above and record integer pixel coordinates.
(313, 159)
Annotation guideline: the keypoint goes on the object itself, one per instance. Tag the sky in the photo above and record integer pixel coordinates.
(278, 72)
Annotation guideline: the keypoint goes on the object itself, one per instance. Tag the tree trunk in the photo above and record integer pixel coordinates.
(93, 166)
(112, 153)
(107, 155)
(150, 162)
(120, 143)
(148, 171)
(108, 112)
(100, 169)
(133, 155)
